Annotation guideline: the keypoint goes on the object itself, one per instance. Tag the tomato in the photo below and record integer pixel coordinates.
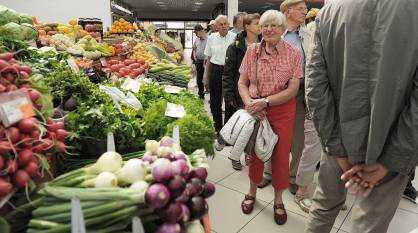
(134, 65)
(128, 62)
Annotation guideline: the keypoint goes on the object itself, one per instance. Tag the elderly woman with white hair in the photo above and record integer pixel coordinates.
(269, 81)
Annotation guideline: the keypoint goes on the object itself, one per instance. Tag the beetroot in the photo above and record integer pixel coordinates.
(13, 133)
(24, 157)
(21, 179)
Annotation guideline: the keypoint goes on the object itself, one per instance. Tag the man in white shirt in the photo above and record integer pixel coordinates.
(215, 51)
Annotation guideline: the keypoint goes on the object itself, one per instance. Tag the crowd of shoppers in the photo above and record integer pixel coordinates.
(339, 87)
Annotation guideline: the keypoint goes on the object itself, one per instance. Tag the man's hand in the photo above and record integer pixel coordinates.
(344, 164)
(374, 173)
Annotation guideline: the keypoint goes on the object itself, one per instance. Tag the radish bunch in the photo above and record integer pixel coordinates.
(23, 143)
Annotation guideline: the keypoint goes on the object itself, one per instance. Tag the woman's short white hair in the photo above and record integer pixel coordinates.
(273, 16)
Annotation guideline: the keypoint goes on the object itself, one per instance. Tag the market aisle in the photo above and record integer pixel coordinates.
(231, 185)
(225, 210)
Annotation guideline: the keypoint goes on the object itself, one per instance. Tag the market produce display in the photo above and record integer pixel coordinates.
(79, 89)
(121, 26)
(16, 26)
(164, 187)
(25, 141)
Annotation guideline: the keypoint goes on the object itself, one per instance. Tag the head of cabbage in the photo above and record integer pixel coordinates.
(8, 16)
(22, 32)
(25, 18)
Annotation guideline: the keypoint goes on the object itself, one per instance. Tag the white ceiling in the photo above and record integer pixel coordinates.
(196, 9)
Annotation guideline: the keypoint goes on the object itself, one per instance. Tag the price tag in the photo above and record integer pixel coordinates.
(77, 217)
(176, 134)
(103, 61)
(73, 65)
(15, 106)
(137, 226)
(131, 85)
(174, 110)
(111, 142)
(172, 89)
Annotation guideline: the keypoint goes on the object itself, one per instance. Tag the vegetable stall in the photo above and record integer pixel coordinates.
(60, 99)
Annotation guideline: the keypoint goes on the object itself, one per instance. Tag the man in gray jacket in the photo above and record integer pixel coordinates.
(362, 90)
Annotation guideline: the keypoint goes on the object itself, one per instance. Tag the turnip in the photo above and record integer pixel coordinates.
(132, 171)
(151, 146)
(21, 179)
(24, 157)
(180, 167)
(197, 206)
(176, 186)
(166, 141)
(32, 169)
(157, 196)
(172, 213)
(5, 188)
(169, 228)
(105, 180)
(208, 190)
(185, 213)
(109, 162)
(199, 172)
(161, 170)
(13, 133)
(148, 157)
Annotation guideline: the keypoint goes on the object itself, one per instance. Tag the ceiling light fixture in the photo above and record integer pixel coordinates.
(198, 3)
(121, 8)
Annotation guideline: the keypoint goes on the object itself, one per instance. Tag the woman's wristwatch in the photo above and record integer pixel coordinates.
(266, 100)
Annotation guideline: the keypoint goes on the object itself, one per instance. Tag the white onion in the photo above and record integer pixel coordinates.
(134, 170)
(152, 146)
(139, 186)
(105, 180)
(109, 162)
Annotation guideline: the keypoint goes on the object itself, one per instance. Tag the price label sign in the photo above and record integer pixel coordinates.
(172, 89)
(103, 61)
(174, 110)
(15, 106)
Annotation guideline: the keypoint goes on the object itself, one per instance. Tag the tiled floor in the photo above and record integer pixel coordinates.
(225, 210)
(226, 216)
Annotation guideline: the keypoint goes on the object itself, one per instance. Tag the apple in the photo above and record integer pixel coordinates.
(89, 28)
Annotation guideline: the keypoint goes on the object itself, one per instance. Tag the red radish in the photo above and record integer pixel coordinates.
(32, 169)
(47, 144)
(13, 133)
(5, 147)
(11, 87)
(34, 159)
(38, 148)
(62, 134)
(24, 157)
(35, 135)
(25, 85)
(5, 188)
(134, 65)
(1, 163)
(61, 147)
(11, 166)
(3, 64)
(10, 77)
(26, 140)
(2, 134)
(6, 56)
(34, 95)
(28, 125)
(55, 126)
(21, 179)
(12, 61)
(2, 88)
(24, 75)
(128, 62)
(25, 69)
